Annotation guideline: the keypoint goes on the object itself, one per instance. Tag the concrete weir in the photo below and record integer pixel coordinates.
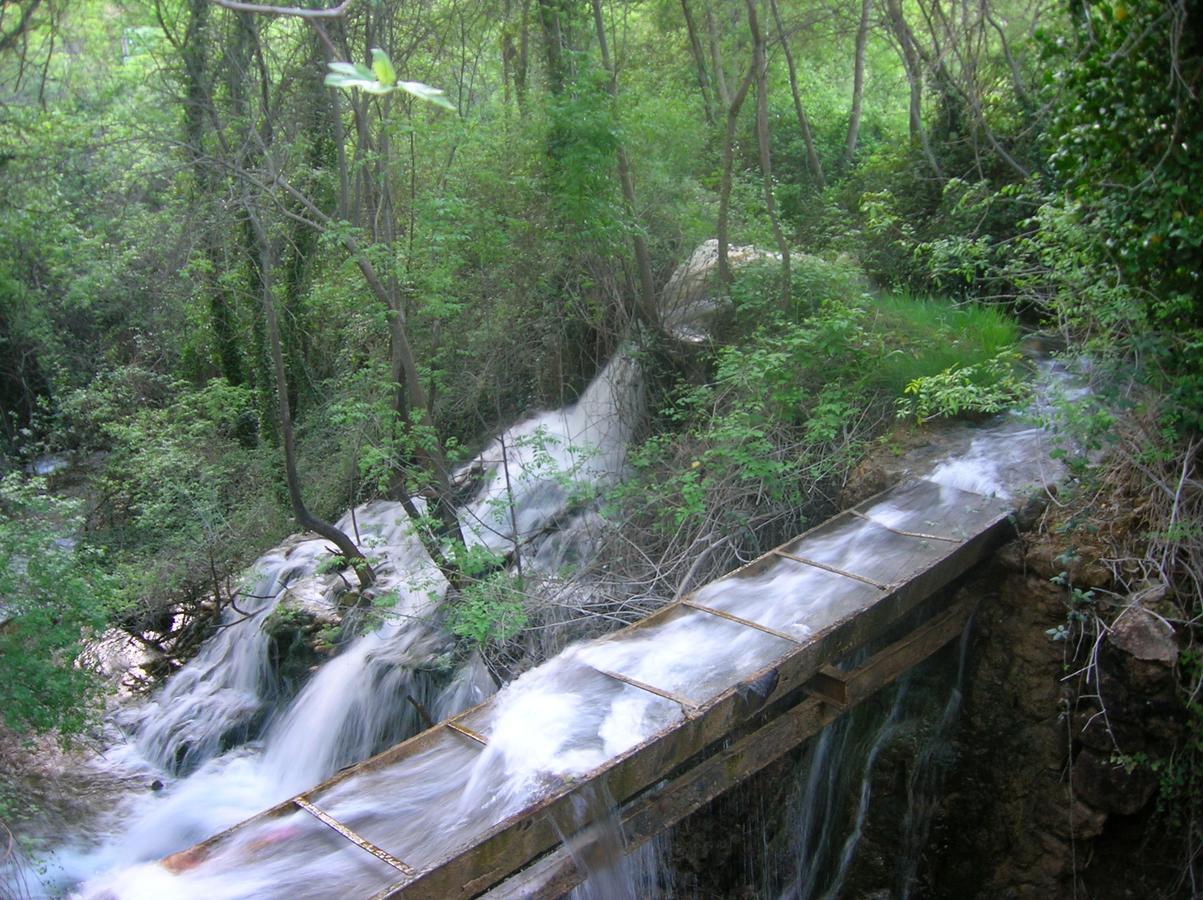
(861, 586)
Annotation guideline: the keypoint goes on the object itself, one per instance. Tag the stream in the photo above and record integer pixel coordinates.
(214, 746)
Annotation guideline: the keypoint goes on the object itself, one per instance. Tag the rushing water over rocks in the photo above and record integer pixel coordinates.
(225, 749)
(215, 745)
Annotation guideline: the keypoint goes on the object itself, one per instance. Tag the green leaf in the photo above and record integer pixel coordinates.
(382, 66)
(427, 93)
(369, 85)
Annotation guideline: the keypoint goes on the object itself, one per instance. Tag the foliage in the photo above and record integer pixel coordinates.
(1129, 211)
(382, 79)
(982, 388)
(57, 592)
(186, 489)
(790, 402)
(490, 610)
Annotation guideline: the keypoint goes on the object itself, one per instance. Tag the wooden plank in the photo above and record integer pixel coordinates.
(829, 685)
(471, 868)
(556, 874)
(362, 843)
(476, 863)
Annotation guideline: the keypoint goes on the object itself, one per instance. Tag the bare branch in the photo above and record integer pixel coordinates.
(9, 39)
(336, 12)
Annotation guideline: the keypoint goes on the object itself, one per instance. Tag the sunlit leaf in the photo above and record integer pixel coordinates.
(427, 93)
(382, 67)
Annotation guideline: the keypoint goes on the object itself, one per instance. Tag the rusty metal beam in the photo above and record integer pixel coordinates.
(466, 732)
(748, 623)
(915, 534)
(687, 706)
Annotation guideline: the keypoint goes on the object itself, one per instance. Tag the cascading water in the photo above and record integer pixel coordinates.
(211, 734)
(554, 722)
(1008, 458)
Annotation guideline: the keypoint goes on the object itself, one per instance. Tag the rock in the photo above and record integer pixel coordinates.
(1108, 786)
(1084, 821)
(1028, 515)
(1142, 635)
(1107, 733)
(1050, 558)
(689, 303)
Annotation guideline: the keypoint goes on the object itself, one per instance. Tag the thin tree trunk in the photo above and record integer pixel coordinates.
(731, 106)
(207, 185)
(812, 157)
(699, 61)
(553, 43)
(508, 51)
(914, 77)
(858, 85)
(761, 65)
(643, 261)
(308, 521)
(523, 56)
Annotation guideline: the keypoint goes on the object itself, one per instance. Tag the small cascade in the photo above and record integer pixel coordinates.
(224, 687)
(225, 745)
(835, 784)
(831, 800)
(927, 778)
(550, 464)
(690, 302)
(863, 797)
(223, 748)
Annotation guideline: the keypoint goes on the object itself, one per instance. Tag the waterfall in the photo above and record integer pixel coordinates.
(225, 749)
(549, 464)
(215, 735)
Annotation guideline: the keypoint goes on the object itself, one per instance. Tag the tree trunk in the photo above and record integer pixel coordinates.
(761, 66)
(207, 185)
(553, 43)
(699, 61)
(346, 547)
(731, 106)
(643, 261)
(858, 85)
(812, 157)
(914, 78)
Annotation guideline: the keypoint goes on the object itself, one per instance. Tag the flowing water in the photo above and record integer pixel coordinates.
(224, 748)
(215, 742)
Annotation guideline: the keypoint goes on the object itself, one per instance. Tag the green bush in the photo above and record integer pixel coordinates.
(56, 591)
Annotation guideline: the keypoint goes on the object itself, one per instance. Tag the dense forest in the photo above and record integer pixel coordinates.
(260, 263)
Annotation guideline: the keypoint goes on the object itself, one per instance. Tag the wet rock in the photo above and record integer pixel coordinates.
(297, 629)
(1028, 515)
(1109, 786)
